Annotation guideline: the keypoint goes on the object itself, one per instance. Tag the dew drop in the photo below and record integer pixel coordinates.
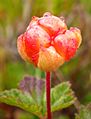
(47, 14)
(62, 18)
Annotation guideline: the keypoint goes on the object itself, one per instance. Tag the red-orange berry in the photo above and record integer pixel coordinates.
(47, 43)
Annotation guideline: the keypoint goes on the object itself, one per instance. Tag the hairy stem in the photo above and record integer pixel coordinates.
(48, 97)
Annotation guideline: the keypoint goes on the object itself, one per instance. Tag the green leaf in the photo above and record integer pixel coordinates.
(34, 86)
(16, 98)
(84, 113)
(61, 96)
(32, 96)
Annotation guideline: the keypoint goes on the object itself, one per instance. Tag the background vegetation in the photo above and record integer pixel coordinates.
(15, 15)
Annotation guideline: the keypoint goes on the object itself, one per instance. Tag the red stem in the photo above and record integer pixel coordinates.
(48, 97)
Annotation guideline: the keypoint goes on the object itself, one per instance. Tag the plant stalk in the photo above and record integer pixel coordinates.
(48, 95)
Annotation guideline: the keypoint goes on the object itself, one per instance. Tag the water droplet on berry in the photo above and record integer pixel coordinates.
(62, 18)
(47, 14)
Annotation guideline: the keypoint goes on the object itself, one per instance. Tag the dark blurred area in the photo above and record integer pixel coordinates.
(15, 16)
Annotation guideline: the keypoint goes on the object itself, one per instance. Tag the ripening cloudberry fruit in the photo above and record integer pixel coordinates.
(47, 43)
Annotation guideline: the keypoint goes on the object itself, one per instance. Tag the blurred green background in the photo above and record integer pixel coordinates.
(15, 16)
